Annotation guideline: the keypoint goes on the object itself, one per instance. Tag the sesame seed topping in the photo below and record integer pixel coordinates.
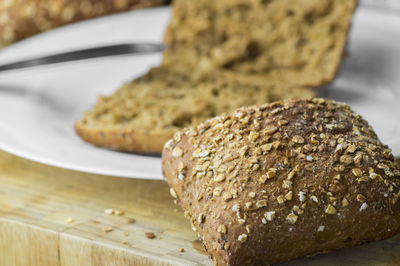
(201, 153)
(269, 215)
(271, 173)
(168, 144)
(362, 179)
(252, 195)
(242, 238)
(351, 148)
(226, 196)
(345, 202)
(302, 196)
(298, 139)
(363, 207)
(289, 195)
(330, 209)
(200, 218)
(345, 159)
(270, 130)
(287, 184)
(266, 147)
(361, 198)
(263, 179)
(291, 174)
(219, 178)
(357, 172)
(248, 228)
(221, 229)
(173, 193)
(181, 176)
(321, 228)
(314, 198)
(253, 136)
(261, 203)
(177, 152)
(281, 199)
(217, 191)
(292, 218)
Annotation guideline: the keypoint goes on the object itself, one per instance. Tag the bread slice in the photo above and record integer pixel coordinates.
(142, 115)
(275, 182)
(222, 55)
(302, 41)
(20, 19)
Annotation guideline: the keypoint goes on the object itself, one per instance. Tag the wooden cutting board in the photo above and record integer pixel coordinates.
(52, 216)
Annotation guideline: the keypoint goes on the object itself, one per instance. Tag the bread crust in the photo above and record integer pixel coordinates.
(23, 18)
(129, 140)
(272, 183)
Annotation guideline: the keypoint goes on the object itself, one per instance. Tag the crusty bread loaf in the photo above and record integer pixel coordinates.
(20, 19)
(271, 183)
(291, 39)
(143, 115)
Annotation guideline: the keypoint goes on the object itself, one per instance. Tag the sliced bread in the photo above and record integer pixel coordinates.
(296, 40)
(275, 182)
(141, 116)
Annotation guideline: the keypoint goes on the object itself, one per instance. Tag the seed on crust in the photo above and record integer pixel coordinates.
(364, 206)
(269, 215)
(298, 139)
(292, 218)
(219, 178)
(221, 229)
(361, 198)
(289, 195)
(357, 172)
(330, 209)
(242, 238)
(177, 152)
(173, 193)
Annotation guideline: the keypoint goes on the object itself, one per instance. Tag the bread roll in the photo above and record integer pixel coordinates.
(271, 183)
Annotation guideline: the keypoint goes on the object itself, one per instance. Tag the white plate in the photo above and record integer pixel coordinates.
(39, 106)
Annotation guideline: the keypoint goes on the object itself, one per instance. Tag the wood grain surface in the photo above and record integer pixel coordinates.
(52, 216)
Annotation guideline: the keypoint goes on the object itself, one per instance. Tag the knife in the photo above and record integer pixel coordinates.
(87, 53)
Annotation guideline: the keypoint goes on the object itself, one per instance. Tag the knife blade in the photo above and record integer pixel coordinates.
(87, 53)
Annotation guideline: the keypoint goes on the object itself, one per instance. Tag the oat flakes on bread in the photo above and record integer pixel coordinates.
(301, 41)
(270, 183)
(20, 19)
(142, 115)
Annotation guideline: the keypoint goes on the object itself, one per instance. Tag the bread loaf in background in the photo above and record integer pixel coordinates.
(275, 182)
(20, 19)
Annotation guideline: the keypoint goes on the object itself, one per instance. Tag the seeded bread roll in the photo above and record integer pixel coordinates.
(272, 183)
(297, 40)
(20, 19)
(143, 115)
